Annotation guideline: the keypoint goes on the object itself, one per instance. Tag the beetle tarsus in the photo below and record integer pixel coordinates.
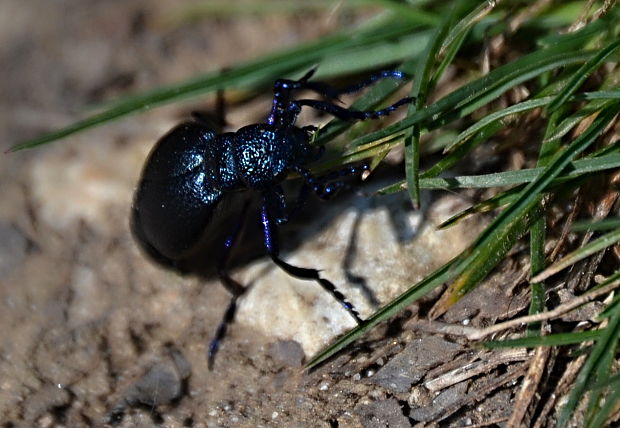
(220, 333)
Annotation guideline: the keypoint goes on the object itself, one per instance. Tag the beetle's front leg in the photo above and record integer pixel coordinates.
(282, 96)
(271, 245)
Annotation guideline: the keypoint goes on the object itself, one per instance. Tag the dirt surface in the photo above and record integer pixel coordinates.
(93, 333)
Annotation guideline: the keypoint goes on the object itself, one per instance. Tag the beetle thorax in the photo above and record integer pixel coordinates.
(265, 154)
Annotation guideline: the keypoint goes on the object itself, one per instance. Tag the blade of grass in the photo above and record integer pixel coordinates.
(615, 379)
(582, 74)
(502, 198)
(419, 92)
(610, 404)
(494, 202)
(461, 28)
(613, 94)
(537, 239)
(497, 116)
(587, 225)
(598, 103)
(581, 253)
(537, 264)
(577, 39)
(510, 178)
(606, 345)
(490, 248)
(602, 371)
(576, 118)
(558, 339)
(461, 151)
(369, 151)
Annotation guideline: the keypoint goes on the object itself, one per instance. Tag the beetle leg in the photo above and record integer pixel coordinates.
(233, 287)
(332, 93)
(322, 186)
(276, 204)
(230, 284)
(222, 328)
(216, 121)
(271, 244)
(346, 114)
(283, 87)
(393, 74)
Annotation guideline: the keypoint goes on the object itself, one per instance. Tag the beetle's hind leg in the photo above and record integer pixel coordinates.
(271, 244)
(234, 287)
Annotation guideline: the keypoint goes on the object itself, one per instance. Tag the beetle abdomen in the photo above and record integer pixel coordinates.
(174, 201)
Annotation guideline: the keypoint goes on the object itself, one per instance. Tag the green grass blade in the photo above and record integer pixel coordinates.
(558, 339)
(602, 371)
(593, 247)
(574, 169)
(613, 94)
(605, 346)
(494, 202)
(587, 225)
(497, 116)
(576, 118)
(610, 403)
(459, 152)
(448, 57)
(419, 92)
(461, 28)
(582, 74)
(490, 248)
(537, 264)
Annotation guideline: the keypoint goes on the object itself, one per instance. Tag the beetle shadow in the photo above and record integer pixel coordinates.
(399, 221)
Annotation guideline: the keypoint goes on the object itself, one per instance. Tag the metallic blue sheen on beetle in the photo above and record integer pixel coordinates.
(194, 177)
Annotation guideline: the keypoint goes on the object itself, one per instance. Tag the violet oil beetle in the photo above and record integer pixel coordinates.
(195, 180)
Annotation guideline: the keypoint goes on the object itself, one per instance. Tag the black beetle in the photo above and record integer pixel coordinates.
(193, 177)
